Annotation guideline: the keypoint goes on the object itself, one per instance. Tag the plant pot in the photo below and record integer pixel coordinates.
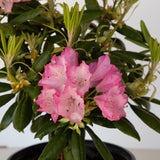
(33, 152)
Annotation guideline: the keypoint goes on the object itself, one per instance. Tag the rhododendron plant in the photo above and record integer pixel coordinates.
(67, 69)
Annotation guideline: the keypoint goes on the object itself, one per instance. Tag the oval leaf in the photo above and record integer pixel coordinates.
(23, 113)
(147, 117)
(8, 117)
(5, 99)
(26, 16)
(4, 87)
(102, 149)
(126, 127)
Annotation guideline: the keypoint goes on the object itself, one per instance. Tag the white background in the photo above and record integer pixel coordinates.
(149, 11)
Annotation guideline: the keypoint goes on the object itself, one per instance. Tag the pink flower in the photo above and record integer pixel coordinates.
(69, 104)
(112, 103)
(111, 79)
(8, 4)
(79, 77)
(99, 69)
(67, 58)
(45, 101)
(54, 77)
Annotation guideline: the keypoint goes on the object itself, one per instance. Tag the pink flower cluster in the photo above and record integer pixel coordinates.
(65, 82)
(8, 4)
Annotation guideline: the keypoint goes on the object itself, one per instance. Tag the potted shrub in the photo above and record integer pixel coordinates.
(67, 71)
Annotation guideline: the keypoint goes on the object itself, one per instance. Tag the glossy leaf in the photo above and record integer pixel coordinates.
(145, 32)
(55, 146)
(26, 16)
(8, 117)
(126, 127)
(37, 123)
(131, 33)
(147, 117)
(153, 100)
(46, 129)
(75, 146)
(23, 113)
(4, 87)
(97, 118)
(42, 60)
(135, 55)
(5, 99)
(102, 149)
(143, 102)
(78, 146)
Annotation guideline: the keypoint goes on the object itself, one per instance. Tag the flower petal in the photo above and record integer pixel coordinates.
(79, 77)
(45, 101)
(69, 104)
(112, 103)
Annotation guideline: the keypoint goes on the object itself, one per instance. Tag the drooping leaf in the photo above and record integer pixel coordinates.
(26, 16)
(4, 87)
(102, 149)
(55, 146)
(126, 127)
(147, 117)
(8, 117)
(5, 99)
(23, 113)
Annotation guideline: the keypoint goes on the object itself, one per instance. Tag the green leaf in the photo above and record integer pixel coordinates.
(75, 146)
(90, 15)
(102, 149)
(5, 99)
(145, 32)
(92, 5)
(55, 146)
(23, 113)
(66, 15)
(126, 127)
(4, 87)
(153, 100)
(7, 29)
(41, 61)
(147, 117)
(97, 118)
(141, 44)
(78, 146)
(143, 102)
(8, 117)
(46, 129)
(27, 16)
(130, 54)
(3, 41)
(131, 33)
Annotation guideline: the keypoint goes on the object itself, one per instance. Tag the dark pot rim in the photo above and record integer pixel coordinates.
(37, 149)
